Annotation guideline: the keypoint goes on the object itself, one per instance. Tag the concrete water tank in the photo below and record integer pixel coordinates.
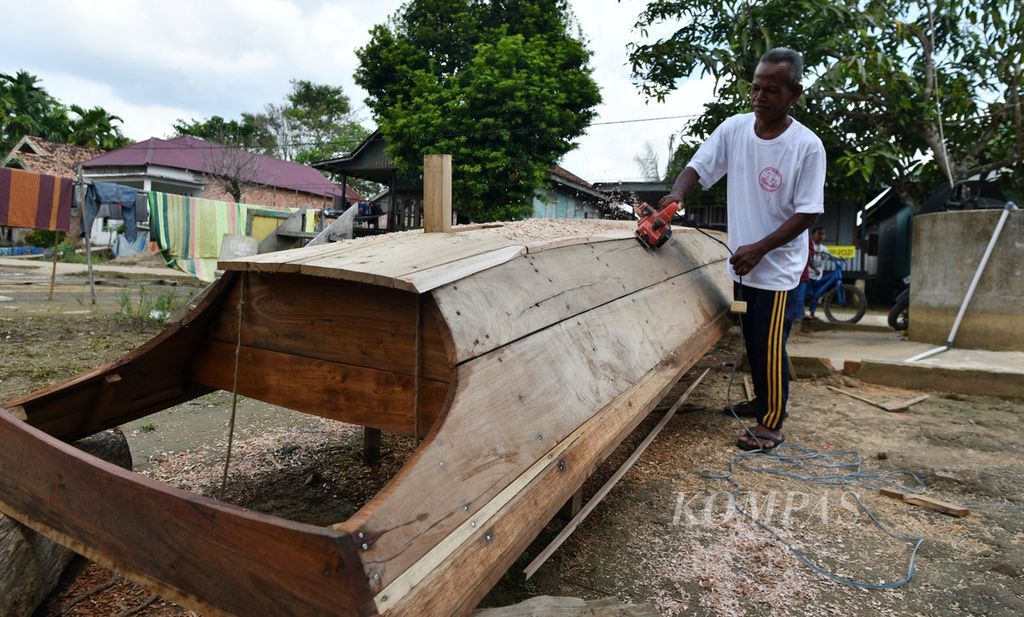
(947, 248)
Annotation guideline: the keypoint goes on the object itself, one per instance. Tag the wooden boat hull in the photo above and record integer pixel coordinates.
(522, 355)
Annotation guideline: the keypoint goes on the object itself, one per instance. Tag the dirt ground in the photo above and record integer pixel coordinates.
(669, 532)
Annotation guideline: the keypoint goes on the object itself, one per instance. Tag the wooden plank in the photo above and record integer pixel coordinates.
(503, 304)
(937, 505)
(214, 557)
(437, 193)
(924, 501)
(855, 396)
(442, 275)
(584, 512)
(358, 395)
(338, 321)
(388, 265)
(898, 406)
(549, 393)
(474, 564)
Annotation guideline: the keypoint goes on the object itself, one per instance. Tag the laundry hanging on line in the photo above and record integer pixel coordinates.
(190, 230)
(116, 201)
(35, 201)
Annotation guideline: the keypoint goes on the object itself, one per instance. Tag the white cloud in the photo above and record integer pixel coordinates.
(154, 62)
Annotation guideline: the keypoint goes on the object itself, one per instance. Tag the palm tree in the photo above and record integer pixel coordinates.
(95, 128)
(27, 104)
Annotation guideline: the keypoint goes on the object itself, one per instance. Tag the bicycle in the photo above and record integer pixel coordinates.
(843, 302)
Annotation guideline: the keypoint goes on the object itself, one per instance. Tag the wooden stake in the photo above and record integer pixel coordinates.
(437, 193)
(53, 271)
(612, 481)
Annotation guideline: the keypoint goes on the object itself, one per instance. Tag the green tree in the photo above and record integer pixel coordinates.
(907, 93)
(27, 109)
(250, 133)
(504, 86)
(322, 121)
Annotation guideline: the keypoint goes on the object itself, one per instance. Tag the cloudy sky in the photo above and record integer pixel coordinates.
(154, 62)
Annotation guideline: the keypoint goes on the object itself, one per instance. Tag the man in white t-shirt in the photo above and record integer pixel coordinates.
(775, 170)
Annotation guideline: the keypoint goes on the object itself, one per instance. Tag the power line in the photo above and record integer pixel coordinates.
(521, 129)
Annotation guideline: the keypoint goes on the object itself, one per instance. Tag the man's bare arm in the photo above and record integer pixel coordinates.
(685, 181)
(748, 256)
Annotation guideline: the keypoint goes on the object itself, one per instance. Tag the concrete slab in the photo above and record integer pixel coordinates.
(42, 268)
(880, 357)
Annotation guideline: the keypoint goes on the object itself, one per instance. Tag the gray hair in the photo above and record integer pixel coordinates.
(785, 55)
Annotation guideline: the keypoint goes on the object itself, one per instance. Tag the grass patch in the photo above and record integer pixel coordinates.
(145, 307)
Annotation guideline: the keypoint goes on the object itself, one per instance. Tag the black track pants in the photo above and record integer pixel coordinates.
(765, 330)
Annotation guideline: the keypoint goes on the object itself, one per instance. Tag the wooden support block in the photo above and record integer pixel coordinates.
(437, 193)
(748, 388)
(738, 307)
(572, 507)
(371, 445)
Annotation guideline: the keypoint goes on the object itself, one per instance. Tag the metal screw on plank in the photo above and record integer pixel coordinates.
(561, 464)
(361, 535)
(540, 437)
(365, 546)
(472, 523)
(489, 537)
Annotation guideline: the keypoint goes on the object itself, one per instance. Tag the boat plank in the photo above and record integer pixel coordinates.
(357, 395)
(561, 376)
(219, 558)
(339, 321)
(475, 557)
(500, 305)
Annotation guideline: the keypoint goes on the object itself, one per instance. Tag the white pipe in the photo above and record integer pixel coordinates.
(974, 284)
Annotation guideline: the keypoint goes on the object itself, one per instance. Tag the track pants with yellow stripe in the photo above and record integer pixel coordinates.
(765, 330)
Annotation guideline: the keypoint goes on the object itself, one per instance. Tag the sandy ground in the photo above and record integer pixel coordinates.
(669, 532)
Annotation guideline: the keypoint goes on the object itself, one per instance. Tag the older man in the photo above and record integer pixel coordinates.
(775, 191)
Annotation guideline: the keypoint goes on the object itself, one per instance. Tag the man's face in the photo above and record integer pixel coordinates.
(819, 236)
(770, 92)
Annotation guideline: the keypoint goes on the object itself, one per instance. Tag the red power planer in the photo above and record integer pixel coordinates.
(654, 227)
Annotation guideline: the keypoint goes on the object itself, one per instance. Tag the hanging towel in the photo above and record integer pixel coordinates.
(190, 230)
(35, 201)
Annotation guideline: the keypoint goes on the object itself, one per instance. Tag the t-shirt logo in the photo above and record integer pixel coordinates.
(770, 179)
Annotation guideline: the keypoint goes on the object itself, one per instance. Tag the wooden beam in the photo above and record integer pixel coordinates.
(437, 193)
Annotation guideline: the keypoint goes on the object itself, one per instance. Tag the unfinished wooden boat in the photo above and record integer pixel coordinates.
(521, 354)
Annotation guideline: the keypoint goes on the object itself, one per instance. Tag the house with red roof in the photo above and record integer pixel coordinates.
(191, 166)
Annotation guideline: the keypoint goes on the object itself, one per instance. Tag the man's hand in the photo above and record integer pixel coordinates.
(746, 258)
(667, 199)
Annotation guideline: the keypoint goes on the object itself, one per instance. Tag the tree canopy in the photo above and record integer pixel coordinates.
(504, 86)
(27, 109)
(906, 93)
(315, 122)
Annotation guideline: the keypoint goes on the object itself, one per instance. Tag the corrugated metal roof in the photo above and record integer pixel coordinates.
(202, 156)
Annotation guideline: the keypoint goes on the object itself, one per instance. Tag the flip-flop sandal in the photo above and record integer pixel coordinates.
(742, 444)
(746, 409)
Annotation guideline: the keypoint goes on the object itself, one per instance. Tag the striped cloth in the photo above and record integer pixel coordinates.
(189, 230)
(35, 201)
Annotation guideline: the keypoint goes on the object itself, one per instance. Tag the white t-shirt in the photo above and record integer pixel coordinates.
(819, 257)
(768, 182)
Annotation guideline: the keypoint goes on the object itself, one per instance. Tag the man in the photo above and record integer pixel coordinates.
(819, 258)
(775, 187)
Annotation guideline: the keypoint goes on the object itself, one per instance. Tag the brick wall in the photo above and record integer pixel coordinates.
(269, 196)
